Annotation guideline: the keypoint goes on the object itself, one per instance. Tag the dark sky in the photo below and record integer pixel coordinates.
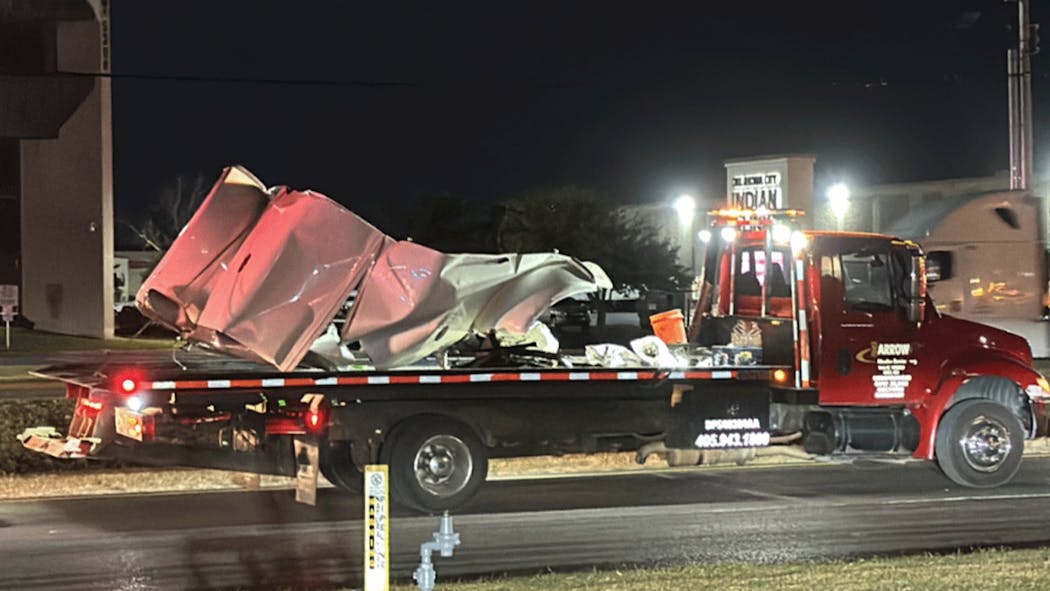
(379, 106)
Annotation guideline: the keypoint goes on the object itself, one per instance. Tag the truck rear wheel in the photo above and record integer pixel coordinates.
(435, 463)
(979, 444)
(337, 465)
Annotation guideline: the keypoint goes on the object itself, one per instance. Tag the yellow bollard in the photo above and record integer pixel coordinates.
(377, 528)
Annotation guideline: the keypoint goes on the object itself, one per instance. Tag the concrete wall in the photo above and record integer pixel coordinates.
(67, 205)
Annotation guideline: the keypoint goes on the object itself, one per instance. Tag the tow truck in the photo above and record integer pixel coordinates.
(824, 338)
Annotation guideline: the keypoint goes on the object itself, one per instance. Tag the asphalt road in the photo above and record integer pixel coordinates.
(264, 540)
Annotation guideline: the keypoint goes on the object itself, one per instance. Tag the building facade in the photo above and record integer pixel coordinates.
(56, 160)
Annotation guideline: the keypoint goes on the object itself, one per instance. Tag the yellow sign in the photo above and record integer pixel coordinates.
(377, 528)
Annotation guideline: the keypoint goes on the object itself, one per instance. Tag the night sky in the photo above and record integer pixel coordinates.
(379, 106)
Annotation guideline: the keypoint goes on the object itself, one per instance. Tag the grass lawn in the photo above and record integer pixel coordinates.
(32, 341)
(1012, 570)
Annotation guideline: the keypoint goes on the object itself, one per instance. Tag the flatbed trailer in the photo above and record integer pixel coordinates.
(209, 411)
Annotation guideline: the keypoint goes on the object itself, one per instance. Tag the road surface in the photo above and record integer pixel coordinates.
(264, 540)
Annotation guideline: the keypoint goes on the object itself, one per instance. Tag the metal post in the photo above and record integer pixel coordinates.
(1025, 55)
(1012, 93)
(1019, 99)
(7, 333)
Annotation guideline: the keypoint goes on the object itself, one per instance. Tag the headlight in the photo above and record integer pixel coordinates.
(1040, 389)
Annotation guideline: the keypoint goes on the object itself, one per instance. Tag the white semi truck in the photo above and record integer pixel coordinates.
(986, 260)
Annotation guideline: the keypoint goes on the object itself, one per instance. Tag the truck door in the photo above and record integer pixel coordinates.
(868, 349)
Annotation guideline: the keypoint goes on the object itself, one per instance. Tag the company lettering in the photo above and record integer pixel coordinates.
(893, 349)
(731, 424)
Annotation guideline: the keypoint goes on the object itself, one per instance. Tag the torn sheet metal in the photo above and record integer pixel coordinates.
(261, 273)
(49, 441)
(289, 278)
(417, 300)
(264, 288)
(179, 286)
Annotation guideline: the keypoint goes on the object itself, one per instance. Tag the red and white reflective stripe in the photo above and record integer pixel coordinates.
(454, 378)
(803, 324)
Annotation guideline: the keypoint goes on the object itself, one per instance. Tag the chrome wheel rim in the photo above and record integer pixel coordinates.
(985, 444)
(443, 465)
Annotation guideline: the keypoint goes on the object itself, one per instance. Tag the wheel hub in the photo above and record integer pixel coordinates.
(443, 465)
(985, 443)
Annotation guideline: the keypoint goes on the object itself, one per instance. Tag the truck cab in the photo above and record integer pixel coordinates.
(877, 367)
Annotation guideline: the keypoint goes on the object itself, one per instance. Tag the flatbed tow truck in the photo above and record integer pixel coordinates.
(824, 338)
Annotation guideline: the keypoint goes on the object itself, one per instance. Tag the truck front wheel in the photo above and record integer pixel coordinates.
(979, 444)
(435, 463)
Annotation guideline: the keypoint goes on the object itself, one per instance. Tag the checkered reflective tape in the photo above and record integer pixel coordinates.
(449, 378)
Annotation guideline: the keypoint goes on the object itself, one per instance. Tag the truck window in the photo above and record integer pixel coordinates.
(752, 269)
(866, 277)
(939, 265)
(753, 272)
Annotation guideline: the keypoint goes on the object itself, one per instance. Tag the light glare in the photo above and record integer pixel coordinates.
(781, 234)
(838, 199)
(798, 241)
(685, 205)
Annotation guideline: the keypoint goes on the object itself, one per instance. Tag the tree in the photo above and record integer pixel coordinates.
(174, 207)
(451, 224)
(575, 221)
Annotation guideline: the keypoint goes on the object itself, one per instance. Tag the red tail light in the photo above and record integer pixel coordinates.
(126, 383)
(315, 420)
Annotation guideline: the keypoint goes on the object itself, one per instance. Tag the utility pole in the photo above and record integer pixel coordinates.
(1019, 95)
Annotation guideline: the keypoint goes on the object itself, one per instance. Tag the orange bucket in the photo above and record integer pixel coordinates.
(669, 326)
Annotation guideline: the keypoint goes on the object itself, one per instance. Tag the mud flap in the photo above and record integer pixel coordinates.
(306, 469)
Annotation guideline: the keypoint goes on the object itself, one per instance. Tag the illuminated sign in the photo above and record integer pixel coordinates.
(755, 190)
(377, 528)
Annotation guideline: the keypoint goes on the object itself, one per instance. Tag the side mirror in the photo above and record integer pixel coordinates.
(917, 289)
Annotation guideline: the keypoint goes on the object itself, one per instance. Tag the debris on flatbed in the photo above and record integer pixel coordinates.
(261, 273)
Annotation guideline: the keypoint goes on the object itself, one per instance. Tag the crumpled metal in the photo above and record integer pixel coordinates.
(261, 273)
(417, 300)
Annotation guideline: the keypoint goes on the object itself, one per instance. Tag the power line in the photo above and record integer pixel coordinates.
(230, 80)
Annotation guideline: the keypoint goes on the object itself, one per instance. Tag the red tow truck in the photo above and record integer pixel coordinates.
(823, 338)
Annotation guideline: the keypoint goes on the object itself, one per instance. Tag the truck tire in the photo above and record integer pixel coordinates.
(979, 444)
(435, 463)
(337, 465)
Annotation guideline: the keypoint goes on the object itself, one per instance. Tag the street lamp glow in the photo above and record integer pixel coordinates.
(728, 234)
(685, 205)
(704, 236)
(798, 241)
(781, 234)
(838, 199)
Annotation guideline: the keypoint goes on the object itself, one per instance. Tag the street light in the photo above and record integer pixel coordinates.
(838, 198)
(685, 205)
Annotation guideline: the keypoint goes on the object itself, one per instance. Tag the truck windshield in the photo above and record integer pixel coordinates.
(866, 275)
